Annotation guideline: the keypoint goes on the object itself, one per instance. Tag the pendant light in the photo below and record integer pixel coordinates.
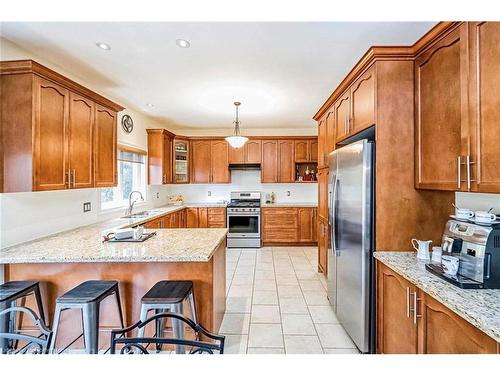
(236, 140)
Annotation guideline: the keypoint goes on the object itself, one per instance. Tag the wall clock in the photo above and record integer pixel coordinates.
(127, 124)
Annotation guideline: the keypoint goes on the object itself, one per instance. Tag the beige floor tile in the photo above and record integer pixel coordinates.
(293, 305)
(297, 324)
(341, 351)
(238, 304)
(265, 336)
(235, 344)
(265, 351)
(240, 291)
(246, 261)
(302, 345)
(316, 298)
(311, 285)
(244, 270)
(323, 315)
(268, 285)
(265, 275)
(289, 291)
(307, 275)
(265, 297)
(334, 336)
(242, 280)
(265, 314)
(287, 279)
(237, 324)
(259, 266)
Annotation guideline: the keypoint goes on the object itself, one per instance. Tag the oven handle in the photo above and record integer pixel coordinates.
(244, 214)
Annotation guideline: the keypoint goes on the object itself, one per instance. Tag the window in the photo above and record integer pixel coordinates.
(131, 176)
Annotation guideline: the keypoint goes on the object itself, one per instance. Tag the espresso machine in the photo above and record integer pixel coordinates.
(478, 249)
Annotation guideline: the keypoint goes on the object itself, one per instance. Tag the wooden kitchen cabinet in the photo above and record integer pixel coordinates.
(430, 329)
(80, 133)
(313, 155)
(196, 217)
(286, 165)
(250, 153)
(440, 112)
(269, 171)
(180, 160)
(56, 133)
(323, 242)
(219, 162)
(216, 217)
(154, 224)
(210, 161)
(323, 193)
(322, 139)
(342, 112)
(160, 164)
(305, 150)
(280, 225)
(396, 330)
(306, 224)
(236, 155)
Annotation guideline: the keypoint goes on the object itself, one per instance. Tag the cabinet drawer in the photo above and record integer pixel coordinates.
(280, 235)
(216, 211)
(281, 221)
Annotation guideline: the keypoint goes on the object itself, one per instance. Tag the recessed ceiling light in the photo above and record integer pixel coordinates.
(103, 46)
(183, 43)
(150, 105)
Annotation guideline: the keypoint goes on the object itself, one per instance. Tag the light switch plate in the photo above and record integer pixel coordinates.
(87, 207)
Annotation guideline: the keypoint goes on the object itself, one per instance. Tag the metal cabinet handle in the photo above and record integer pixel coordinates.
(415, 307)
(67, 178)
(407, 302)
(459, 178)
(74, 177)
(468, 163)
(164, 178)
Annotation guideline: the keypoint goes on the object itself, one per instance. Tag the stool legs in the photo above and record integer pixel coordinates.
(55, 327)
(119, 304)
(91, 327)
(178, 327)
(192, 306)
(4, 326)
(39, 304)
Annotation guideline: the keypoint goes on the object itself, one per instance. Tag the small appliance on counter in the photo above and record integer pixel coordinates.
(477, 248)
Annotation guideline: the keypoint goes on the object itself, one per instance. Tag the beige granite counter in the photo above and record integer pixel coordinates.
(290, 204)
(205, 204)
(481, 308)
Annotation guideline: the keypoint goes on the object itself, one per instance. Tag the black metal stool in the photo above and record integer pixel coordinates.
(168, 296)
(10, 292)
(87, 296)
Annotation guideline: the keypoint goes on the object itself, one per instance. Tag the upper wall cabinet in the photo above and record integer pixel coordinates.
(210, 162)
(306, 150)
(250, 153)
(457, 106)
(180, 168)
(286, 170)
(56, 133)
(269, 171)
(160, 148)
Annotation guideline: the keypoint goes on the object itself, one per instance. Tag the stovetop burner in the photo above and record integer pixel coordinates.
(244, 204)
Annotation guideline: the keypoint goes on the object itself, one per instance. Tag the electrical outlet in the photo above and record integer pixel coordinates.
(288, 193)
(86, 207)
(157, 195)
(209, 193)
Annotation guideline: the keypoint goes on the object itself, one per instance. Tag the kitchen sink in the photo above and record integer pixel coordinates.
(141, 214)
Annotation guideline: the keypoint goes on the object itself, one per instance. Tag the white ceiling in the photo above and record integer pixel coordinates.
(281, 72)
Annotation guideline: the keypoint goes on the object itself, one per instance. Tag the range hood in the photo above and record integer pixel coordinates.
(244, 167)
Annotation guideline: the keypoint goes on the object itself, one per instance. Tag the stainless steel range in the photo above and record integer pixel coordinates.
(243, 219)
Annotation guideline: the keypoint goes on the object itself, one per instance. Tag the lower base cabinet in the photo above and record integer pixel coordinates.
(289, 225)
(323, 242)
(411, 322)
(205, 217)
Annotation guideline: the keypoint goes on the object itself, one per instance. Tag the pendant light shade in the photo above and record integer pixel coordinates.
(236, 140)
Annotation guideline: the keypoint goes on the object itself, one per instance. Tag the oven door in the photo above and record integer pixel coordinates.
(243, 225)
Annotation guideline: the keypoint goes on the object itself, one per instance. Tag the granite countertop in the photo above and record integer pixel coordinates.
(290, 204)
(84, 244)
(205, 204)
(481, 307)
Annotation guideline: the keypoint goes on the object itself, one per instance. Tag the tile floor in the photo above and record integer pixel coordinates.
(277, 304)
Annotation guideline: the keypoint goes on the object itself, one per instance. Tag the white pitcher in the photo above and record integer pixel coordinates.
(422, 248)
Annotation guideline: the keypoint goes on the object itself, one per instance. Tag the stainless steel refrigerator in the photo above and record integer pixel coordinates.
(350, 261)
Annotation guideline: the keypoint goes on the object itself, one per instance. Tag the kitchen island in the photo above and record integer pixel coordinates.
(64, 260)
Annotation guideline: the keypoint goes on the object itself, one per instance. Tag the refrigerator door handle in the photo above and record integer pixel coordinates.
(334, 234)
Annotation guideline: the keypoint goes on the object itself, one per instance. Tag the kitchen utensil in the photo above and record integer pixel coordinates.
(422, 247)
(450, 264)
(464, 213)
(485, 217)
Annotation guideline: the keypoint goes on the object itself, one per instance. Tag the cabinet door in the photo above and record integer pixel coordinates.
(253, 150)
(329, 134)
(155, 157)
(180, 156)
(302, 150)
(167, 159)
(220, 162)
(269, 171)
(396, 331)
(236, 155)
(105, 173)
(441, 331)
(182, 219)
(286, 170)
(306, 224)
(322, 245)
(323, 193)
(51, 136)
(192, 217)
(154, 224)
(200, 162)
(216, 217)
(485, 105)
(315, 224)
(313, 155)
(202, 217)
(439, 101)
(341, 115)
(322, 159)
(363, 102)
(280, 225)
(81, 125)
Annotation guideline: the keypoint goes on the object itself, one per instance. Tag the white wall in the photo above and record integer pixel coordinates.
(246, 180)
(476, 201)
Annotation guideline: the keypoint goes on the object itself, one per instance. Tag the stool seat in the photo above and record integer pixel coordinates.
(168, 292)
(11, 290)
(89, 291)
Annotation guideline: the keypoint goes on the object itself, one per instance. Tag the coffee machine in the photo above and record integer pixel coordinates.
(478, 249)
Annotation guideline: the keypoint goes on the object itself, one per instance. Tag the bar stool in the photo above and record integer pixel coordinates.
(168, 296)
(87, 296)
(10, 292)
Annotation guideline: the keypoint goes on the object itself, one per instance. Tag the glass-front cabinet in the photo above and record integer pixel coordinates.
(181, 161)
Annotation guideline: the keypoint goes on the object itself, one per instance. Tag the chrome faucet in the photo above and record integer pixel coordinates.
(131, 203)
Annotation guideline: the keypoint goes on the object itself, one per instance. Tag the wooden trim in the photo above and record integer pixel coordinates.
(160, 131)
(256, 137)
(127, 148)
(30, 66)
(377, 53)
